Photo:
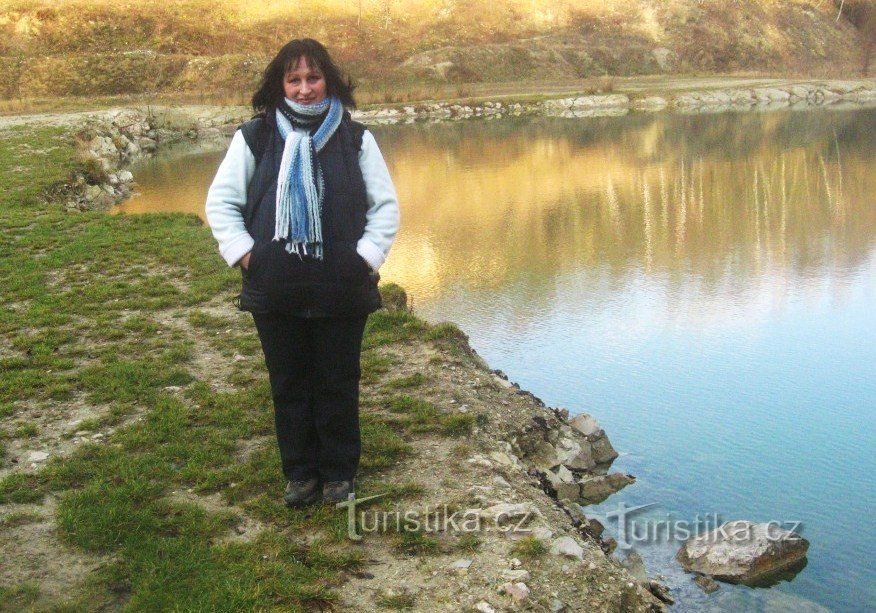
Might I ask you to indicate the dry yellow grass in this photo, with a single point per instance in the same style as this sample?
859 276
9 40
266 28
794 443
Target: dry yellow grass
400 48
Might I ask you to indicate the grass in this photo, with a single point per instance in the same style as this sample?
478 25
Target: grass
529 548
416 542
118 312
18 597
397 602
422 416
215 51
92 47
409 381
19 518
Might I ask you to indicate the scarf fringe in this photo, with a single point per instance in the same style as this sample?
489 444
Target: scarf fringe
300 185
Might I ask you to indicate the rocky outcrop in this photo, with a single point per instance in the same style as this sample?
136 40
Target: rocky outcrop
799 95
572 457
108 141
742 551
603 104
587 106
106 144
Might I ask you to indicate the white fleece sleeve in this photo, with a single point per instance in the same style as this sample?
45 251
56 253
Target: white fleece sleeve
226 200
382 217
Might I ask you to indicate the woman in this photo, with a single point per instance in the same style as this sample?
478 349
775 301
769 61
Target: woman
304 204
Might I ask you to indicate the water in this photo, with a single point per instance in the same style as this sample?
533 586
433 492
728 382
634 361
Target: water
704 285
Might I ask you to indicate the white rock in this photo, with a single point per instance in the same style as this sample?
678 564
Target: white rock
503 458
569 547
565 475
484 607
500 481
558 606
517 574
741 551
480 460
37 456
125 176
518 591
461 564
586 425
542 533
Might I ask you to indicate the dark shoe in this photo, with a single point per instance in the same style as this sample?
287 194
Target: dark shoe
301 493
334 492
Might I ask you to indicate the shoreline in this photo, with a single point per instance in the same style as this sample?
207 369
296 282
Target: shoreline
519 460
519 453
115 138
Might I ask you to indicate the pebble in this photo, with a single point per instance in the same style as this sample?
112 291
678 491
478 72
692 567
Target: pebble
480 460
558 606
461 564
500 481
516 574
484 607
518 591
37 456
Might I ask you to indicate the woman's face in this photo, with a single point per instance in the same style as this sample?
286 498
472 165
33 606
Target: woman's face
303 84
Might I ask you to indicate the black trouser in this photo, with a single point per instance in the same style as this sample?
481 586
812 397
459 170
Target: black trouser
314 369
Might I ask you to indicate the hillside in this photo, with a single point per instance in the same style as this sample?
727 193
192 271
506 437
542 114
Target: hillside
96 47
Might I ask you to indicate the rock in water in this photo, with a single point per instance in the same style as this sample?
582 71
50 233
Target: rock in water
706 583
742 551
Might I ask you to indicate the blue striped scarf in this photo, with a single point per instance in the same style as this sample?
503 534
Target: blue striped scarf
300 187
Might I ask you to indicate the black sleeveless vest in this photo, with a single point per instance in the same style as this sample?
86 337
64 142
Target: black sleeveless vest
341 284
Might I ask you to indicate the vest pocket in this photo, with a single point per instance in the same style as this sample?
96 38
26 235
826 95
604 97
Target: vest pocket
280 274
350 267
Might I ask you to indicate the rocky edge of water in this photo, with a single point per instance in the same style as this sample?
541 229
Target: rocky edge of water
109 141
742 552
793 95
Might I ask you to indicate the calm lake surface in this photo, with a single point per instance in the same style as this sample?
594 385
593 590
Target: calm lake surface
704 285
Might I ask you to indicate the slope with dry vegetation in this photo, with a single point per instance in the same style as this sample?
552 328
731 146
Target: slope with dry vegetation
96 47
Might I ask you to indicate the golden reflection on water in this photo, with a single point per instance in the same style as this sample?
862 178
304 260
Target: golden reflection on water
491 203
487 206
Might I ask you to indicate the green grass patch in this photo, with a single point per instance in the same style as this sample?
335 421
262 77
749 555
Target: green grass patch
374 366
529 547
19 597
19 518
415 542
396 602
86 298
468 542
421 416
410 381
26 431
457 424
445 332
387 327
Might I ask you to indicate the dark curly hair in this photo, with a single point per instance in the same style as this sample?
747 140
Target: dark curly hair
270 91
